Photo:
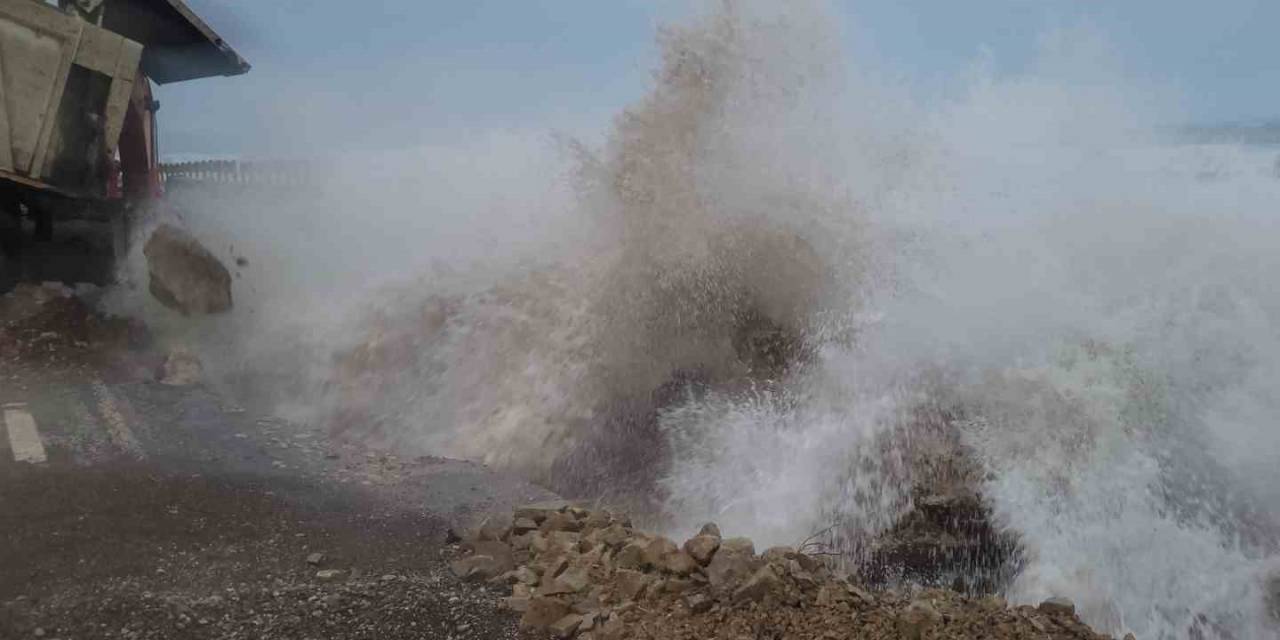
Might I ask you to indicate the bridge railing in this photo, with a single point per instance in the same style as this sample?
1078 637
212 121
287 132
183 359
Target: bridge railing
247 172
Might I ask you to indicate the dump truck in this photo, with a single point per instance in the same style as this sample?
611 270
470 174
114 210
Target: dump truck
78 148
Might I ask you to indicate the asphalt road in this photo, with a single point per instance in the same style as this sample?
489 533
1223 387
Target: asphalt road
132 509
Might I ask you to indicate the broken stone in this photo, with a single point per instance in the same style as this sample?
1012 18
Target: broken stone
734 562
496 550
521 542
566 626
596 520
656 550
764 582
525 575
918 617
478 568
860 593
702 548
558 521
519 604
538 512
185 276
612 536
576 579
542 612
328 574
181 368
612 629
803 579
1058 607
523 525
315 558
493 529
631 585
778 555
555 542
698 602
630 557
679 563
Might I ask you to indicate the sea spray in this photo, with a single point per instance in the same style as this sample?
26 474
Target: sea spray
780 285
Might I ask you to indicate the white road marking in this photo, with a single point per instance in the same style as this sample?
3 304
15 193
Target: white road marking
24 436
117 427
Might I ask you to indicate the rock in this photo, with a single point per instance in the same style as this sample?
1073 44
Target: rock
553 567
656 550
576 579
492 529
567 626
679 563
734 562
558 521
829 594
543 612
478 568
802 578
538 512
778 555
764 582
917 618
181 368
710 529
613 629
555 542
523 525
519 604
613 536
698 602
185 276
315 558
525 575
588 603
630 557
631 585
702 547
502 555
596 520
328 574
522 542
568 581
1058 607
860 593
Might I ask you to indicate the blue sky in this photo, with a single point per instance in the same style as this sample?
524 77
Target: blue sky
396 73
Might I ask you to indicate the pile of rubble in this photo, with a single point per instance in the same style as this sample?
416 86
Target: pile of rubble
582 573
53 324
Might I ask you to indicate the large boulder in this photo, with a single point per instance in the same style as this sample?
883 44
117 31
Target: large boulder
733 563
702 548
185 276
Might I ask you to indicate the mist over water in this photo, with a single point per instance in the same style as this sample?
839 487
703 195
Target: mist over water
739 307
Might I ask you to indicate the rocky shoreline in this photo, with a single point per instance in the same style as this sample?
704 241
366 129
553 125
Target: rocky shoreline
588 574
